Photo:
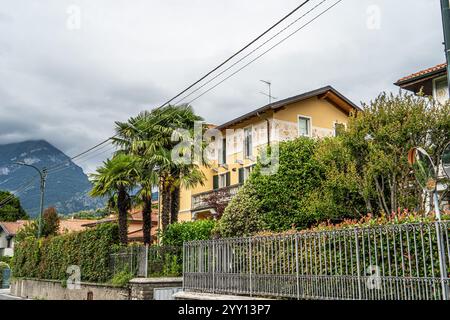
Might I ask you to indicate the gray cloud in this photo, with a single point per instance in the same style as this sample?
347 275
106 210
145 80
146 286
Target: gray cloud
69 86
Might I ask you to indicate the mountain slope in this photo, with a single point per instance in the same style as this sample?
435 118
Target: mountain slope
67 189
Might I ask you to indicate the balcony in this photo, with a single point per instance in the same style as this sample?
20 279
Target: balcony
200 200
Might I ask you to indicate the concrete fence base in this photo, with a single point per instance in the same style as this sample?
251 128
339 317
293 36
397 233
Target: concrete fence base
138 289
54 290
184 295
143 288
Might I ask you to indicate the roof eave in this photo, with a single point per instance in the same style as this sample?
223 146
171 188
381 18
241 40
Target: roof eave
422 77
285 102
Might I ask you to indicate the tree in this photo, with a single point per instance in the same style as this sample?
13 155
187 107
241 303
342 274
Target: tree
379 140
218 201
152 136
50 222
277 201
364 170
115 179
10 208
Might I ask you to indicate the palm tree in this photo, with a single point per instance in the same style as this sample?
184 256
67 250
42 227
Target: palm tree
149 136
115 179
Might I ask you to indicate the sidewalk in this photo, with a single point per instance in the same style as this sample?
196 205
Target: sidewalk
5 294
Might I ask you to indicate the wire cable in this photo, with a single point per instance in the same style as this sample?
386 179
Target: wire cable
265 52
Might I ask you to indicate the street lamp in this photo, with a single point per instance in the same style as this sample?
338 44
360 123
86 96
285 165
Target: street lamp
43 177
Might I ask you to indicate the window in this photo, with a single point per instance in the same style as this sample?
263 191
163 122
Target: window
223 152
440 90
221 181
248 146
247 172
244 173
339 128
304 126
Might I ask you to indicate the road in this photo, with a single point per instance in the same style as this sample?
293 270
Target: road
5 295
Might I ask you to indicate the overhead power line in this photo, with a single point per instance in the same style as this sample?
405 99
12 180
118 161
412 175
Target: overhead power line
108 140
24 187
237 53
265 52
251 52
207 74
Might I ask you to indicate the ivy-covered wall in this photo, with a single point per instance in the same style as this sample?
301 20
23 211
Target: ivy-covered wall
49 258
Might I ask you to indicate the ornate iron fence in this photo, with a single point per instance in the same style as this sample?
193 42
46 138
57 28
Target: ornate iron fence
391 262
151 261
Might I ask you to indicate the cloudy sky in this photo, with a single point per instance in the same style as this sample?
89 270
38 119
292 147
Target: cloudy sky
69 69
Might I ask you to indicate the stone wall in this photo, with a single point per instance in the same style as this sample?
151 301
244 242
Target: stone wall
54 290
143 288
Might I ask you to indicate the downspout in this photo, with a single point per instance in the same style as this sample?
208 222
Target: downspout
268 128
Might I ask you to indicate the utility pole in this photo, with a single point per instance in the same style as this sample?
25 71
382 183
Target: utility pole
43 177
445 8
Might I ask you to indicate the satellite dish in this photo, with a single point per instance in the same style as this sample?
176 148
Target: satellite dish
424 169
446 160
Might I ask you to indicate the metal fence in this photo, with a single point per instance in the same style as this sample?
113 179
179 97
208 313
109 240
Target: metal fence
147 261
391 262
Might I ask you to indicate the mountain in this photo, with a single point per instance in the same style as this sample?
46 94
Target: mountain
66 189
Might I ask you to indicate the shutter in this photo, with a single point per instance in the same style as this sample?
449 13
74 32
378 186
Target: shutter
241 175
224 151
215 182
228 179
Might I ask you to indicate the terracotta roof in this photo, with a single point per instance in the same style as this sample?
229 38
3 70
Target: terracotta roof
11 228
423 73
135 216
137 235
72 225
65 225
324 92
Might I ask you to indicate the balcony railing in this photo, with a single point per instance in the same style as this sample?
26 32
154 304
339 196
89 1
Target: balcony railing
200 200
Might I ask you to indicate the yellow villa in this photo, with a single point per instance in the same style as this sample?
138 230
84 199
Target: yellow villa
316 114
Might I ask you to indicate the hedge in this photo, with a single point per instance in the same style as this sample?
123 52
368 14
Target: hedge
49 258
177 233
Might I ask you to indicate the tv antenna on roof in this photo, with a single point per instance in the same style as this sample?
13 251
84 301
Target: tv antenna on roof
269 84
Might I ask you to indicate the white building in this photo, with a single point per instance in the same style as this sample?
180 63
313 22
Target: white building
8 231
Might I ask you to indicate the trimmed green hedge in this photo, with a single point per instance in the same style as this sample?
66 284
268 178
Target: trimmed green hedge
177 233
49 258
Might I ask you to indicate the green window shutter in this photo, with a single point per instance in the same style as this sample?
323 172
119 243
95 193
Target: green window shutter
228 179
241 175
215 182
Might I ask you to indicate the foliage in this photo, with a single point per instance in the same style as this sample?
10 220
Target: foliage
277 201
91 214
122 278
11 210
29 230
115 179
50 222
337 195
364 170
243 215
216 201
165 261
3 266
152 136
379 140
49 258
178 233
6 259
